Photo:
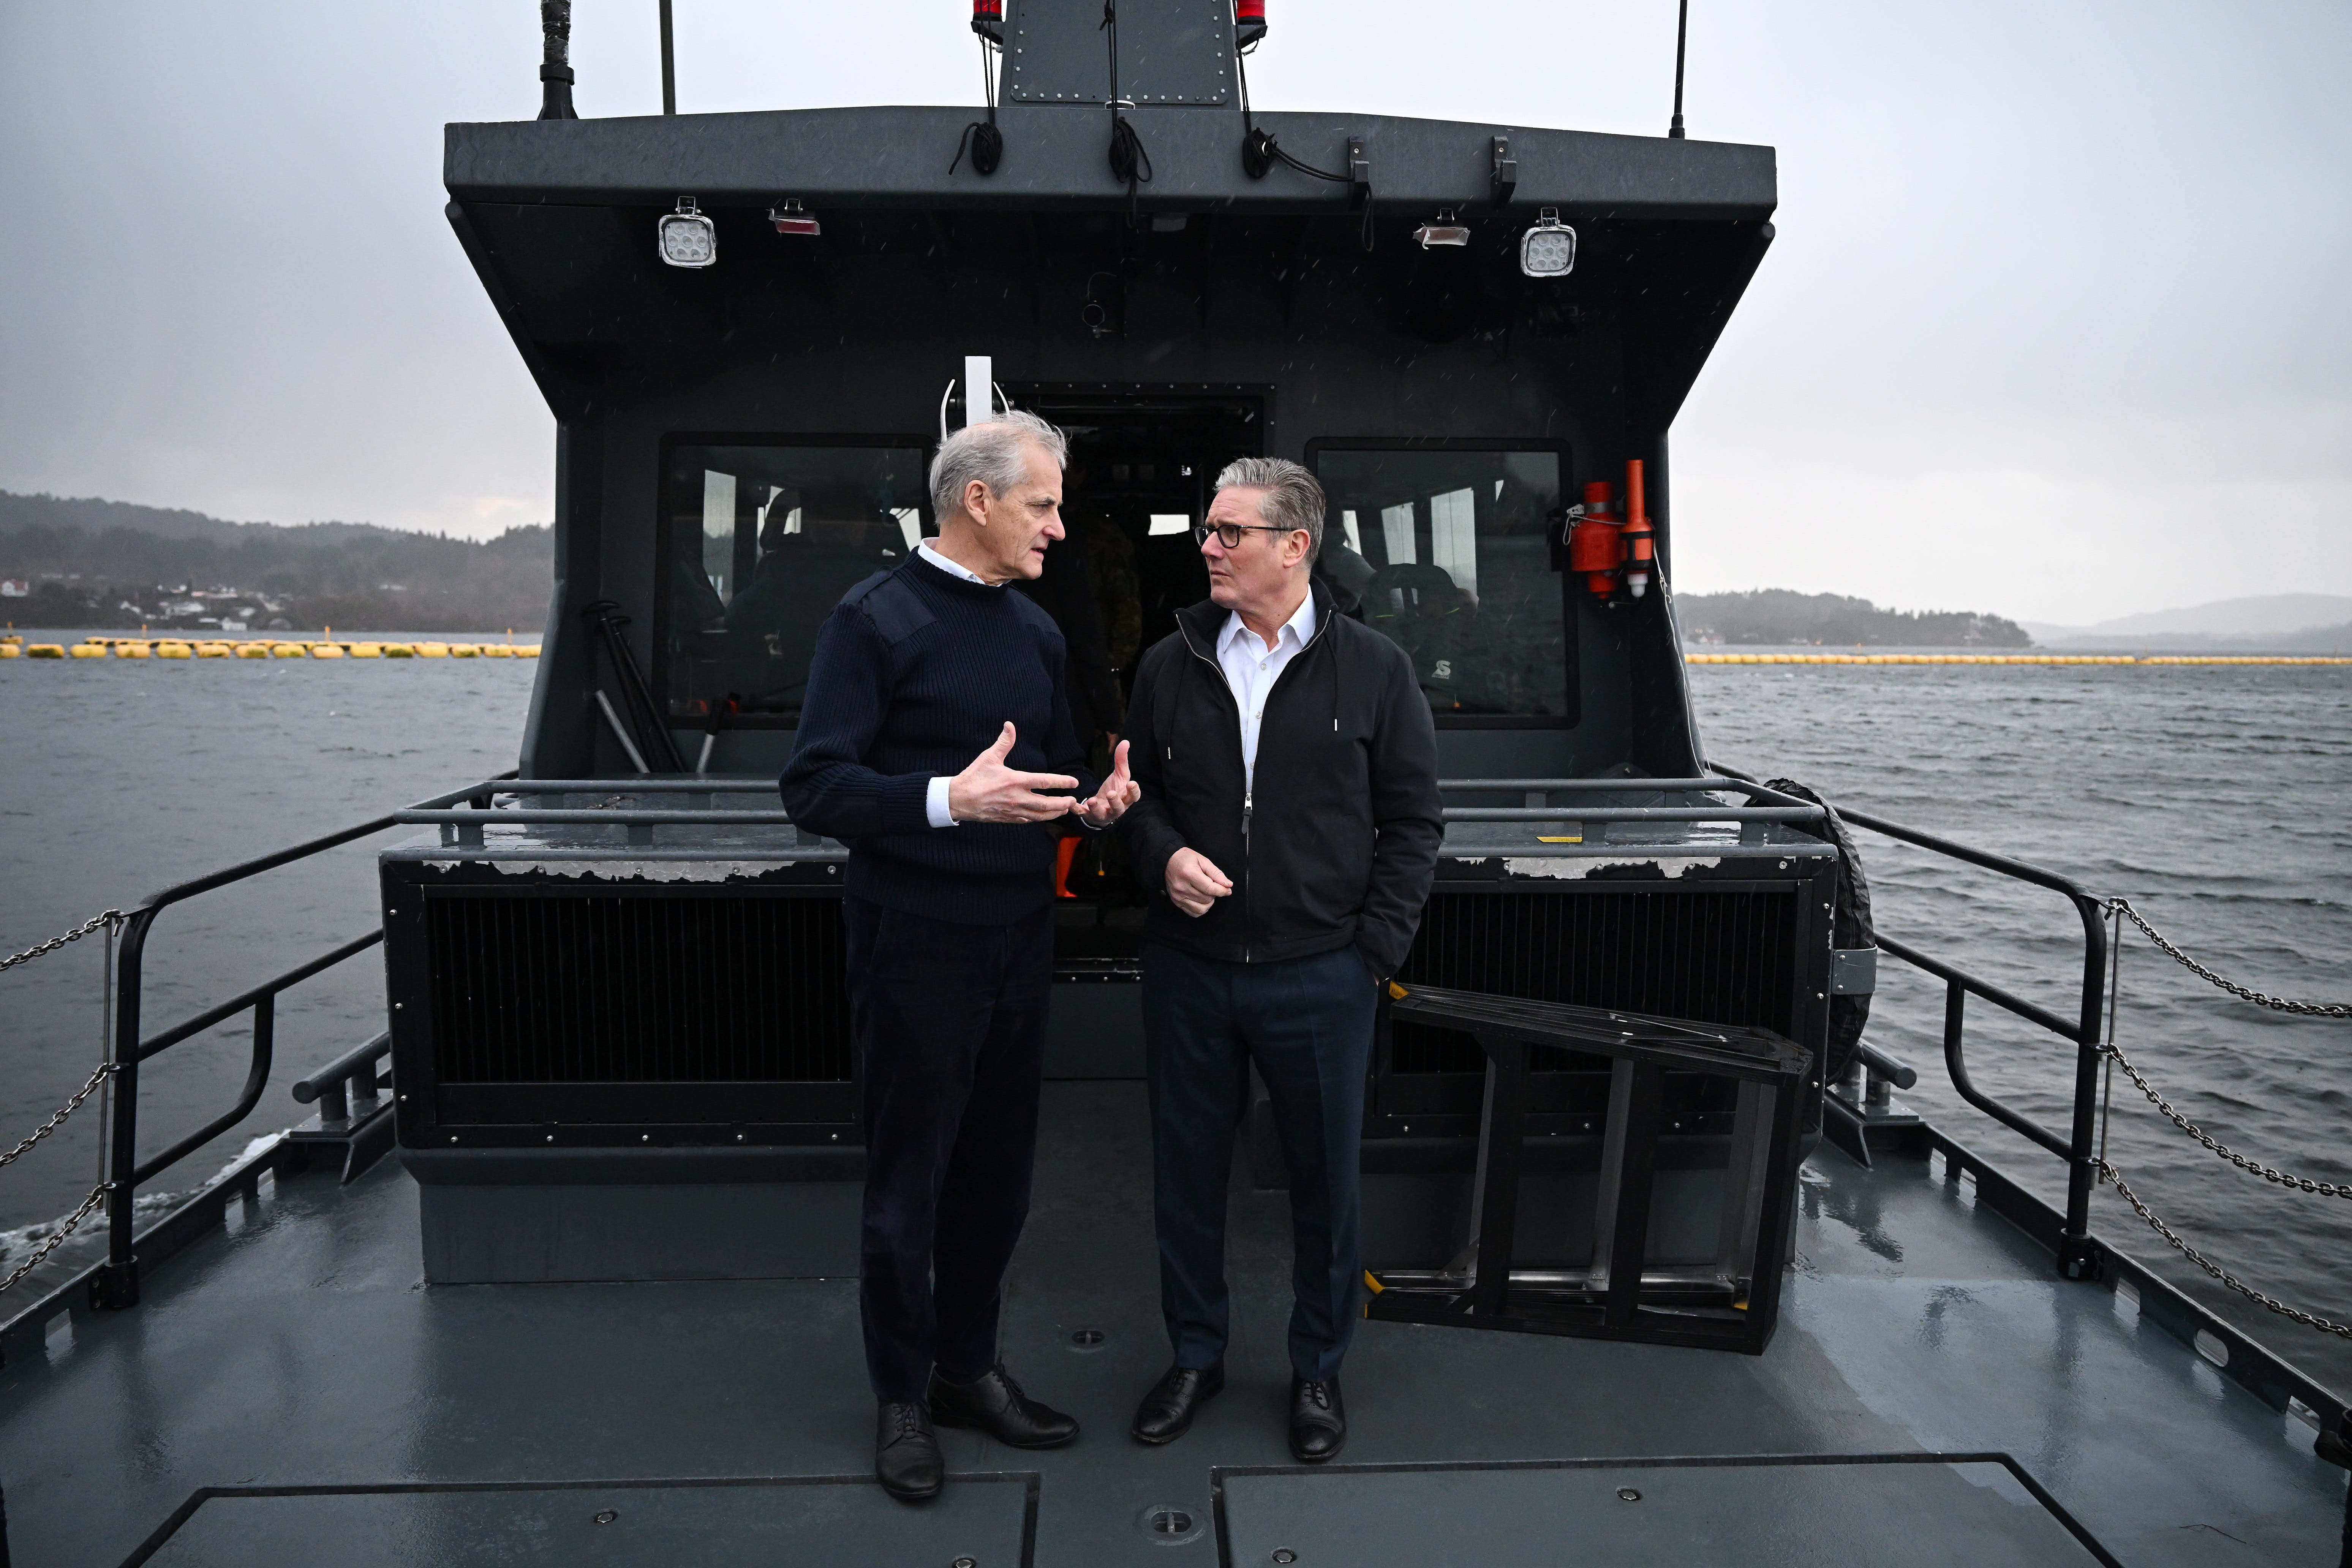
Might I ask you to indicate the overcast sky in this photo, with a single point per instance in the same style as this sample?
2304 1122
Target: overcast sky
2056 325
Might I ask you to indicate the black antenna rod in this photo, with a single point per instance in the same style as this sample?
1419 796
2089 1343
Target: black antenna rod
669 67
555 60
1682 31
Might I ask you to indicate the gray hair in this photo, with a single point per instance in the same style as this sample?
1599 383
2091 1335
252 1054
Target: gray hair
991 453
1292 499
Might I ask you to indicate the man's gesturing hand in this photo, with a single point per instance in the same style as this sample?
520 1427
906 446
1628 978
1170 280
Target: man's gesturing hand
988 791
1194 883
1118 793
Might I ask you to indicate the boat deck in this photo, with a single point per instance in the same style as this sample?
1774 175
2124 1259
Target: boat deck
340 1411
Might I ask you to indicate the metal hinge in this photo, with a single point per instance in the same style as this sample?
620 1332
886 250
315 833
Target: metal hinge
1853 971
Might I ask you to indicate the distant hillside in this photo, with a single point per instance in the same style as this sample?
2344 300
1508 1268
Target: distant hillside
1782 617
88 563
2266 618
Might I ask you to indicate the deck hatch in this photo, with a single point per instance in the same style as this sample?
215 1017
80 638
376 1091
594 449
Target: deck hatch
1864 1508
637 988
837 1521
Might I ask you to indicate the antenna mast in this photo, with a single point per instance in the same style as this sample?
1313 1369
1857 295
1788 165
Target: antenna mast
555 60
1682 32
669 67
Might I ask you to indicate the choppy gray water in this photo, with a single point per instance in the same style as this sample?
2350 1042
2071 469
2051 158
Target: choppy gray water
2216 798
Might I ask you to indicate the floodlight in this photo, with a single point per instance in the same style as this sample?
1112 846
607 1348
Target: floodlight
687 237
1548 249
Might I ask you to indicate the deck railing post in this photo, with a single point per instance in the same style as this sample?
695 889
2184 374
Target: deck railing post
2078 1255
116 1284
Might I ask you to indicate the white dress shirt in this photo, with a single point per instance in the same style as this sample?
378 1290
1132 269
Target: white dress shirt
1252 667
935 799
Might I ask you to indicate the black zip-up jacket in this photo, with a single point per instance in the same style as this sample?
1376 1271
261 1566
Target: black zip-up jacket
1338 841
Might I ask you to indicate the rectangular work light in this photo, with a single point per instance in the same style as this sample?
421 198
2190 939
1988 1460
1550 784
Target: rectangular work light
1548 249
687 237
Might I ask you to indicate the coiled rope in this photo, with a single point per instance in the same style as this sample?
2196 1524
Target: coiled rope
2118 911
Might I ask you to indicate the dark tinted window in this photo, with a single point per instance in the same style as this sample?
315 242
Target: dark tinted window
1448 552
762 541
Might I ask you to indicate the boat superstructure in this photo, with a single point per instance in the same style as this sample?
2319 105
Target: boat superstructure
602 1305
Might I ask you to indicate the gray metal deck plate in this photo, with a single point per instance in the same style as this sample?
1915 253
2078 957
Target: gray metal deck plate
832 1522
1865 1509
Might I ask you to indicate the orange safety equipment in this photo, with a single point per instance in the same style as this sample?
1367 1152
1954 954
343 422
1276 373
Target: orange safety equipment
1640 543
1595 545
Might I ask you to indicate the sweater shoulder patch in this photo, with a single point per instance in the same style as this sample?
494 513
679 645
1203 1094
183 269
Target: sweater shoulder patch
896 611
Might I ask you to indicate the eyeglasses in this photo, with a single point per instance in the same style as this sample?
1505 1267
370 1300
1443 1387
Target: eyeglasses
1229 534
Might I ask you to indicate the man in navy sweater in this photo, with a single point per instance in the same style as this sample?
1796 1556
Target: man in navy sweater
936 742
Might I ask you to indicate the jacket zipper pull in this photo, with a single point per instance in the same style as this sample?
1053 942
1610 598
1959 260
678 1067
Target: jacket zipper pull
1246 799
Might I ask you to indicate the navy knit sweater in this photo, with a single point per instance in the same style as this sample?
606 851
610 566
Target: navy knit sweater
916 673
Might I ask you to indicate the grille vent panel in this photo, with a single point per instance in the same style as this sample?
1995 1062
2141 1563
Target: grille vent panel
638 989
1718 956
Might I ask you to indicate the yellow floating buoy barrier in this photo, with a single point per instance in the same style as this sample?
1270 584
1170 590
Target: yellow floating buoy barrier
462 650
46 650
253 650
173 649
90 650
399 650
288 651
367 650
12 648
525 650
128 649
215 649
433 650
495 650
326 651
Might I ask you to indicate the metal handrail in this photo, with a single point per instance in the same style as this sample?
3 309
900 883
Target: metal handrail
2076 1252
117 1281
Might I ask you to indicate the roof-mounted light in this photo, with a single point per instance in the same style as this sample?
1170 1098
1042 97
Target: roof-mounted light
688 238
1548 249
1443 230
791 218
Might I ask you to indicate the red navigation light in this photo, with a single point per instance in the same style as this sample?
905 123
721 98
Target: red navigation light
988 19
791 220
1249 21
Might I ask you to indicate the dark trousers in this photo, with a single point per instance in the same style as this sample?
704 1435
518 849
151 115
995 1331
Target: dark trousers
950 1025
1307 1025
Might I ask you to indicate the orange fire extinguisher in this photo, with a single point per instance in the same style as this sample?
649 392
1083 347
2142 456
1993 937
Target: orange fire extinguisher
1640 543
1596 547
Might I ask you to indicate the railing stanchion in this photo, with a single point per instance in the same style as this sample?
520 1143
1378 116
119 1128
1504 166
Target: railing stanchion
117 1284
2078 1255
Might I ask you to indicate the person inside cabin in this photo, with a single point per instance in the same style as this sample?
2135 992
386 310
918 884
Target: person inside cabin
936 742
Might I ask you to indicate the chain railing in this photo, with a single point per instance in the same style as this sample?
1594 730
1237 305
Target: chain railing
110 923
2120 910
2246 994
96 924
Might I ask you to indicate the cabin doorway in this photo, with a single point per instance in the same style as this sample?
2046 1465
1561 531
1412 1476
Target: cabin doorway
1143 467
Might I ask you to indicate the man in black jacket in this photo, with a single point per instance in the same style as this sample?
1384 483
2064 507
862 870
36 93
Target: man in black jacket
1289 815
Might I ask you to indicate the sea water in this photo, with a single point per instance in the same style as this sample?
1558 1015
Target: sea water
2215 798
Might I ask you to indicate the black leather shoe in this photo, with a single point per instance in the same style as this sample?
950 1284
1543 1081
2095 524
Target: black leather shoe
995 1404
1165 1413
1319 1421
907 1453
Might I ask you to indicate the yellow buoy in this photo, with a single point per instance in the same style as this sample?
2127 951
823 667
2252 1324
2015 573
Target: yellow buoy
433 650
495 650
399 650
215 649
46 650
12 648
253 650
326 651
288 651
173 649
367 650
525 650
462 650
128 649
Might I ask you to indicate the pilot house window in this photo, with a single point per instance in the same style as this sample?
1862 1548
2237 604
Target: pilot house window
762 542
1448 551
